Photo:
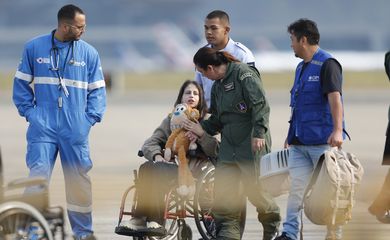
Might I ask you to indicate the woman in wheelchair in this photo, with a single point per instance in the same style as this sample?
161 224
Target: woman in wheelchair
157 176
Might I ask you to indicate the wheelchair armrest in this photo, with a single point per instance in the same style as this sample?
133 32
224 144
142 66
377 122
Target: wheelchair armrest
27 182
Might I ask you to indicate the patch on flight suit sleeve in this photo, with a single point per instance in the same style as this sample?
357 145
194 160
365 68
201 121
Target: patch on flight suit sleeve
241 106
228 86
245 75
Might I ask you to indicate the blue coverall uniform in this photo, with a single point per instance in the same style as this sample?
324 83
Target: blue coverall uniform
60 118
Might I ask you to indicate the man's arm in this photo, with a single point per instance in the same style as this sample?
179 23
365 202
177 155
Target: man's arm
331 80
96 99
336 109
23 94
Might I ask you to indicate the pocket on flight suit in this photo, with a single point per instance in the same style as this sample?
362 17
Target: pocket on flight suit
85 160
37 125
80 129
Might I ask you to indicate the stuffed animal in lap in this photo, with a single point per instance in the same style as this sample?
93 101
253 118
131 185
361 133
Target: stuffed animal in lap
178 144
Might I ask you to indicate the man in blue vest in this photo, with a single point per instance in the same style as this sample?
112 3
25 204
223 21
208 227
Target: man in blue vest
316 122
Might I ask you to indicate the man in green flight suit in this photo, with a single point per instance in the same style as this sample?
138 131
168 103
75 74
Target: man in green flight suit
240 112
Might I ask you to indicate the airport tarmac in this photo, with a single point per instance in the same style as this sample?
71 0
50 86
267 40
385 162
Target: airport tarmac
132 117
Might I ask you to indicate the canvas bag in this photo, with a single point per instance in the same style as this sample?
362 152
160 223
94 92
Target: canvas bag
329 196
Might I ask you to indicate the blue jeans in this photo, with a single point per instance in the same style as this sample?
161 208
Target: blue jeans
301 162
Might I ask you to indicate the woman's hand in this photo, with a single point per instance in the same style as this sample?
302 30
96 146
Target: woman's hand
191 136
257 144
159 158
194 127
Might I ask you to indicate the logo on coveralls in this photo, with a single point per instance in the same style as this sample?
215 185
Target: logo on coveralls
79 64
41 60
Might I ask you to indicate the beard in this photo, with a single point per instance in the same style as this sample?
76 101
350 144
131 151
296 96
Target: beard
70 36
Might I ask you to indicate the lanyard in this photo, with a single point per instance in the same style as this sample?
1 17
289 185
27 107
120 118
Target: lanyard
55 67
55 61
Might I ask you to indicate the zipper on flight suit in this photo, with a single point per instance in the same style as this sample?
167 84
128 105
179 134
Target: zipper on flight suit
60 102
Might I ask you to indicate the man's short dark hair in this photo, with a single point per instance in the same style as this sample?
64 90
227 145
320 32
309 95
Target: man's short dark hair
218 14
68 12
305 28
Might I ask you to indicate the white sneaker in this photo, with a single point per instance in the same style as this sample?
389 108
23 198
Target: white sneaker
153 225
135 223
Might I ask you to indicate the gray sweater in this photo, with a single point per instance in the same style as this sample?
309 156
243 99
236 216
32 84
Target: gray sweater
155 144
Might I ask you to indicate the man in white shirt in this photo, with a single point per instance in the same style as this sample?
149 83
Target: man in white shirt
217 28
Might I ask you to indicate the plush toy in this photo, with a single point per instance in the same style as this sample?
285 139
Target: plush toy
178 144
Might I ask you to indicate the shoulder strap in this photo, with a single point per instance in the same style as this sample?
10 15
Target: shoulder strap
313 179
314 176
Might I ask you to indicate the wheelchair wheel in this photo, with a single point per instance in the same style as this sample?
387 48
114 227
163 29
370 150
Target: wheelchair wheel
22 221
184 231
203 203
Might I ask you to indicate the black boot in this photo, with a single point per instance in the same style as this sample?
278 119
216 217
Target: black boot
270 222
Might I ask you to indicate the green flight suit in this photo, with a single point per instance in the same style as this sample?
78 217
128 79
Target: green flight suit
239 110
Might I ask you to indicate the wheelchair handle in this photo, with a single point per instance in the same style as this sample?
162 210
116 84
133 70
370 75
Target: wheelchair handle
28 182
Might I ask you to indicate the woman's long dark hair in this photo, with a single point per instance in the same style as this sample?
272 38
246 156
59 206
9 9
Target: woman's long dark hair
208 56
202 107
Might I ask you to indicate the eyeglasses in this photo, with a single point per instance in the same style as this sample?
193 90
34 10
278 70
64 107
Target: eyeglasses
79 28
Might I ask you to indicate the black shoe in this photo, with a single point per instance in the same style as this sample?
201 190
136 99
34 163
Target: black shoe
270 222
384 218
382 215
89 237
270 235
283 237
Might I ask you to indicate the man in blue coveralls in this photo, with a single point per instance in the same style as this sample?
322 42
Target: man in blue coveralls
68 98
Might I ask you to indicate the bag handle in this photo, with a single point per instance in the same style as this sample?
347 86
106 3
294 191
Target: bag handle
313 179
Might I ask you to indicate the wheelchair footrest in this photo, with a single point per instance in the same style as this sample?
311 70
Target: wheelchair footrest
158 232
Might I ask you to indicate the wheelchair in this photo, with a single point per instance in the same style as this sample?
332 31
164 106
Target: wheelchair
28 216
177 210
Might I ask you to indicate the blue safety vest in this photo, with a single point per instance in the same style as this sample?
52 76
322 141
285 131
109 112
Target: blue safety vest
311 119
